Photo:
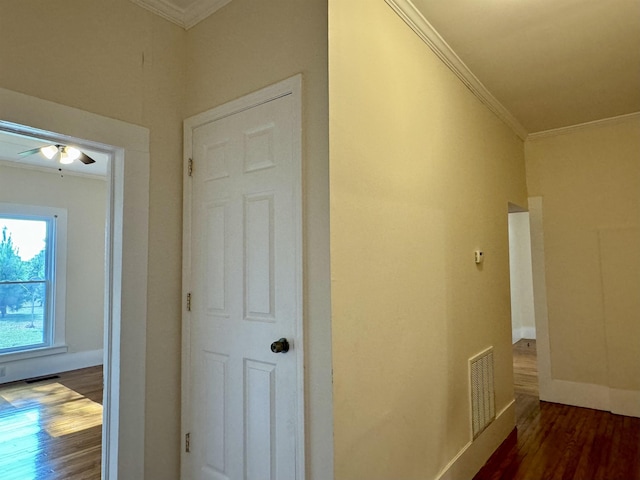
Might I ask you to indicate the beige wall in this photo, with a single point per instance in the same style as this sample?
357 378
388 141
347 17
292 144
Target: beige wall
248 45
85 200
117 60
421 176
589 181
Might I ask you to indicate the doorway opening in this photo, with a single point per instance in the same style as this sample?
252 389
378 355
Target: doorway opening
59 277
126 260
523 327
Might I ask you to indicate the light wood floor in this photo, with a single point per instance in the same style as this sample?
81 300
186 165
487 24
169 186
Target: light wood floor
52 429
525 367
560 442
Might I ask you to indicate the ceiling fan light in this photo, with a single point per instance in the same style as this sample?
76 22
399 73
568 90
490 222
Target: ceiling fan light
49 151
73 153
65 159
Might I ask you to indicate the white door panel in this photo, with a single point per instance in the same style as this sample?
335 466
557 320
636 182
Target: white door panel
246 283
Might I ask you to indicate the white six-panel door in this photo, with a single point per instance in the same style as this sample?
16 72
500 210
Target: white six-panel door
246 289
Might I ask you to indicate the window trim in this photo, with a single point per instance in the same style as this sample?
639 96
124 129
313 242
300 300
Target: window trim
54 330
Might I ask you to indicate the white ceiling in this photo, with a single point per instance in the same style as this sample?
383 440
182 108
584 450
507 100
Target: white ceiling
12 144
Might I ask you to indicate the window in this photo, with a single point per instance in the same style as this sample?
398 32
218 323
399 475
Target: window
32 245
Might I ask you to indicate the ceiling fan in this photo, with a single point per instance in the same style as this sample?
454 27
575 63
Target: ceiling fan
62 153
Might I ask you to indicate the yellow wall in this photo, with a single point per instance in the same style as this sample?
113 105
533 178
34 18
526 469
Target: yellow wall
89 54
421 175
244 47
589 181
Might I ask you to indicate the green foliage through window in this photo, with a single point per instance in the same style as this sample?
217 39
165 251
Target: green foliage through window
23 283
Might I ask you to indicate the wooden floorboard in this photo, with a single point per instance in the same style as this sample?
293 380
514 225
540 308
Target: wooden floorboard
561 442
525 367
52 429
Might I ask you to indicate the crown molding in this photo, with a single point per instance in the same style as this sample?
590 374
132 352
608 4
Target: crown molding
166 10
202 9
187 17
581 126
416 21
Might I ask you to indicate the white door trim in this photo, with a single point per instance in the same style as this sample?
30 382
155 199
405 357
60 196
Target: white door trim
126 276
293 87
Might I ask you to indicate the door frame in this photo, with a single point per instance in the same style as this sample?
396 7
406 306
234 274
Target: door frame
291 86
126 261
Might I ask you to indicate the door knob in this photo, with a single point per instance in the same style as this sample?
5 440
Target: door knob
280 346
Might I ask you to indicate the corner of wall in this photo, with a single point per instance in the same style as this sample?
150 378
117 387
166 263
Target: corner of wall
476 453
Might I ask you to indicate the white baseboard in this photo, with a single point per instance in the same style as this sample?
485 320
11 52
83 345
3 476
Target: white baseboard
49 365
577 394
476 453
625 402
523 332
598 397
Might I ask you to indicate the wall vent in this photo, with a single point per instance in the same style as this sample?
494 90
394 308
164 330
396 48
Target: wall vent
483 404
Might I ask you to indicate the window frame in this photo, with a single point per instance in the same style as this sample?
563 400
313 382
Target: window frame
56 259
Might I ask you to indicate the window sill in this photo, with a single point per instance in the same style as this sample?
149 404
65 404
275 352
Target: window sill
33 353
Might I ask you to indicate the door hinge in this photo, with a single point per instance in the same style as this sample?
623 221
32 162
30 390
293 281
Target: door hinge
187 442
190 167
189 302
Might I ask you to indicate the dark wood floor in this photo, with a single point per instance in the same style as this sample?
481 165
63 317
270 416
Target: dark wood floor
560 442
52 429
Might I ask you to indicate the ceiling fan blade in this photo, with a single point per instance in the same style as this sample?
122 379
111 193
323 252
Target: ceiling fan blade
86 159
29 152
